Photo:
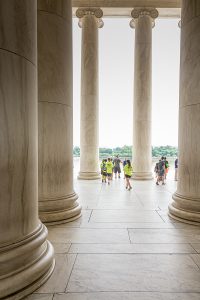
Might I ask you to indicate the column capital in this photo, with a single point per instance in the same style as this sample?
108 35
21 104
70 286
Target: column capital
136 13
144 11
94 11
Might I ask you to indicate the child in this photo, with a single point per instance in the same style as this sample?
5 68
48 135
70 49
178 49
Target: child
103 170
128 170
109 169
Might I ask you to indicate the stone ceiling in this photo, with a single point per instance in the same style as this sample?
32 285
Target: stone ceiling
122 8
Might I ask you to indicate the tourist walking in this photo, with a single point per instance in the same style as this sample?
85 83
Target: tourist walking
109 168
116 163
176 169
128 170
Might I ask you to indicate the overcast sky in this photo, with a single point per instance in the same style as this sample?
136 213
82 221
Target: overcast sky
116 68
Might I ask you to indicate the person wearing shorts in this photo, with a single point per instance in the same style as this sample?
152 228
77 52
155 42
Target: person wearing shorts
117 168
109 168
128 170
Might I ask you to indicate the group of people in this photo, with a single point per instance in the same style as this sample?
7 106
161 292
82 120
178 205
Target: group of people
110 166
161 169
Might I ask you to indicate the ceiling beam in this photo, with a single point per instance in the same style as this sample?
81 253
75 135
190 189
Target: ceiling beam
128 3
122 8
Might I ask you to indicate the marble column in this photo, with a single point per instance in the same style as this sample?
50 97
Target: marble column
89 21
143 20
26 257
57 199
186 200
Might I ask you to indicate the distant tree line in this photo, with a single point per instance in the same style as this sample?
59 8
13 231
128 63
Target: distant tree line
168 151
126 151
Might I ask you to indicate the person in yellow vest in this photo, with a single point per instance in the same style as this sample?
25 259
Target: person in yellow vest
128 170
109 169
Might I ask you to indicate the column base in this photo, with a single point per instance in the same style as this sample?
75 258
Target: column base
142 176
89 175
186 210
59 210
26 265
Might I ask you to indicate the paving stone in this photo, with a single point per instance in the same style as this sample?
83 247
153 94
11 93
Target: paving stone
134 272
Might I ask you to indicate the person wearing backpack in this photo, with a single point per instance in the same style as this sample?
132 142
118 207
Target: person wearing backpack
161 171
103 170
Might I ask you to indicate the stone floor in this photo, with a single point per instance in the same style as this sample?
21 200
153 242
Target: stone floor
124 247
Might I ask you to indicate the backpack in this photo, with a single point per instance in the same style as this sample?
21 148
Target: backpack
104 167
161 165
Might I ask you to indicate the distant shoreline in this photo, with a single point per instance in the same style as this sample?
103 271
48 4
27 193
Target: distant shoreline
126 151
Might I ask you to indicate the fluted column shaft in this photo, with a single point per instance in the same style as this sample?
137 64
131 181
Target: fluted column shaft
89 127
186 200
57 199
142 105
26 257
